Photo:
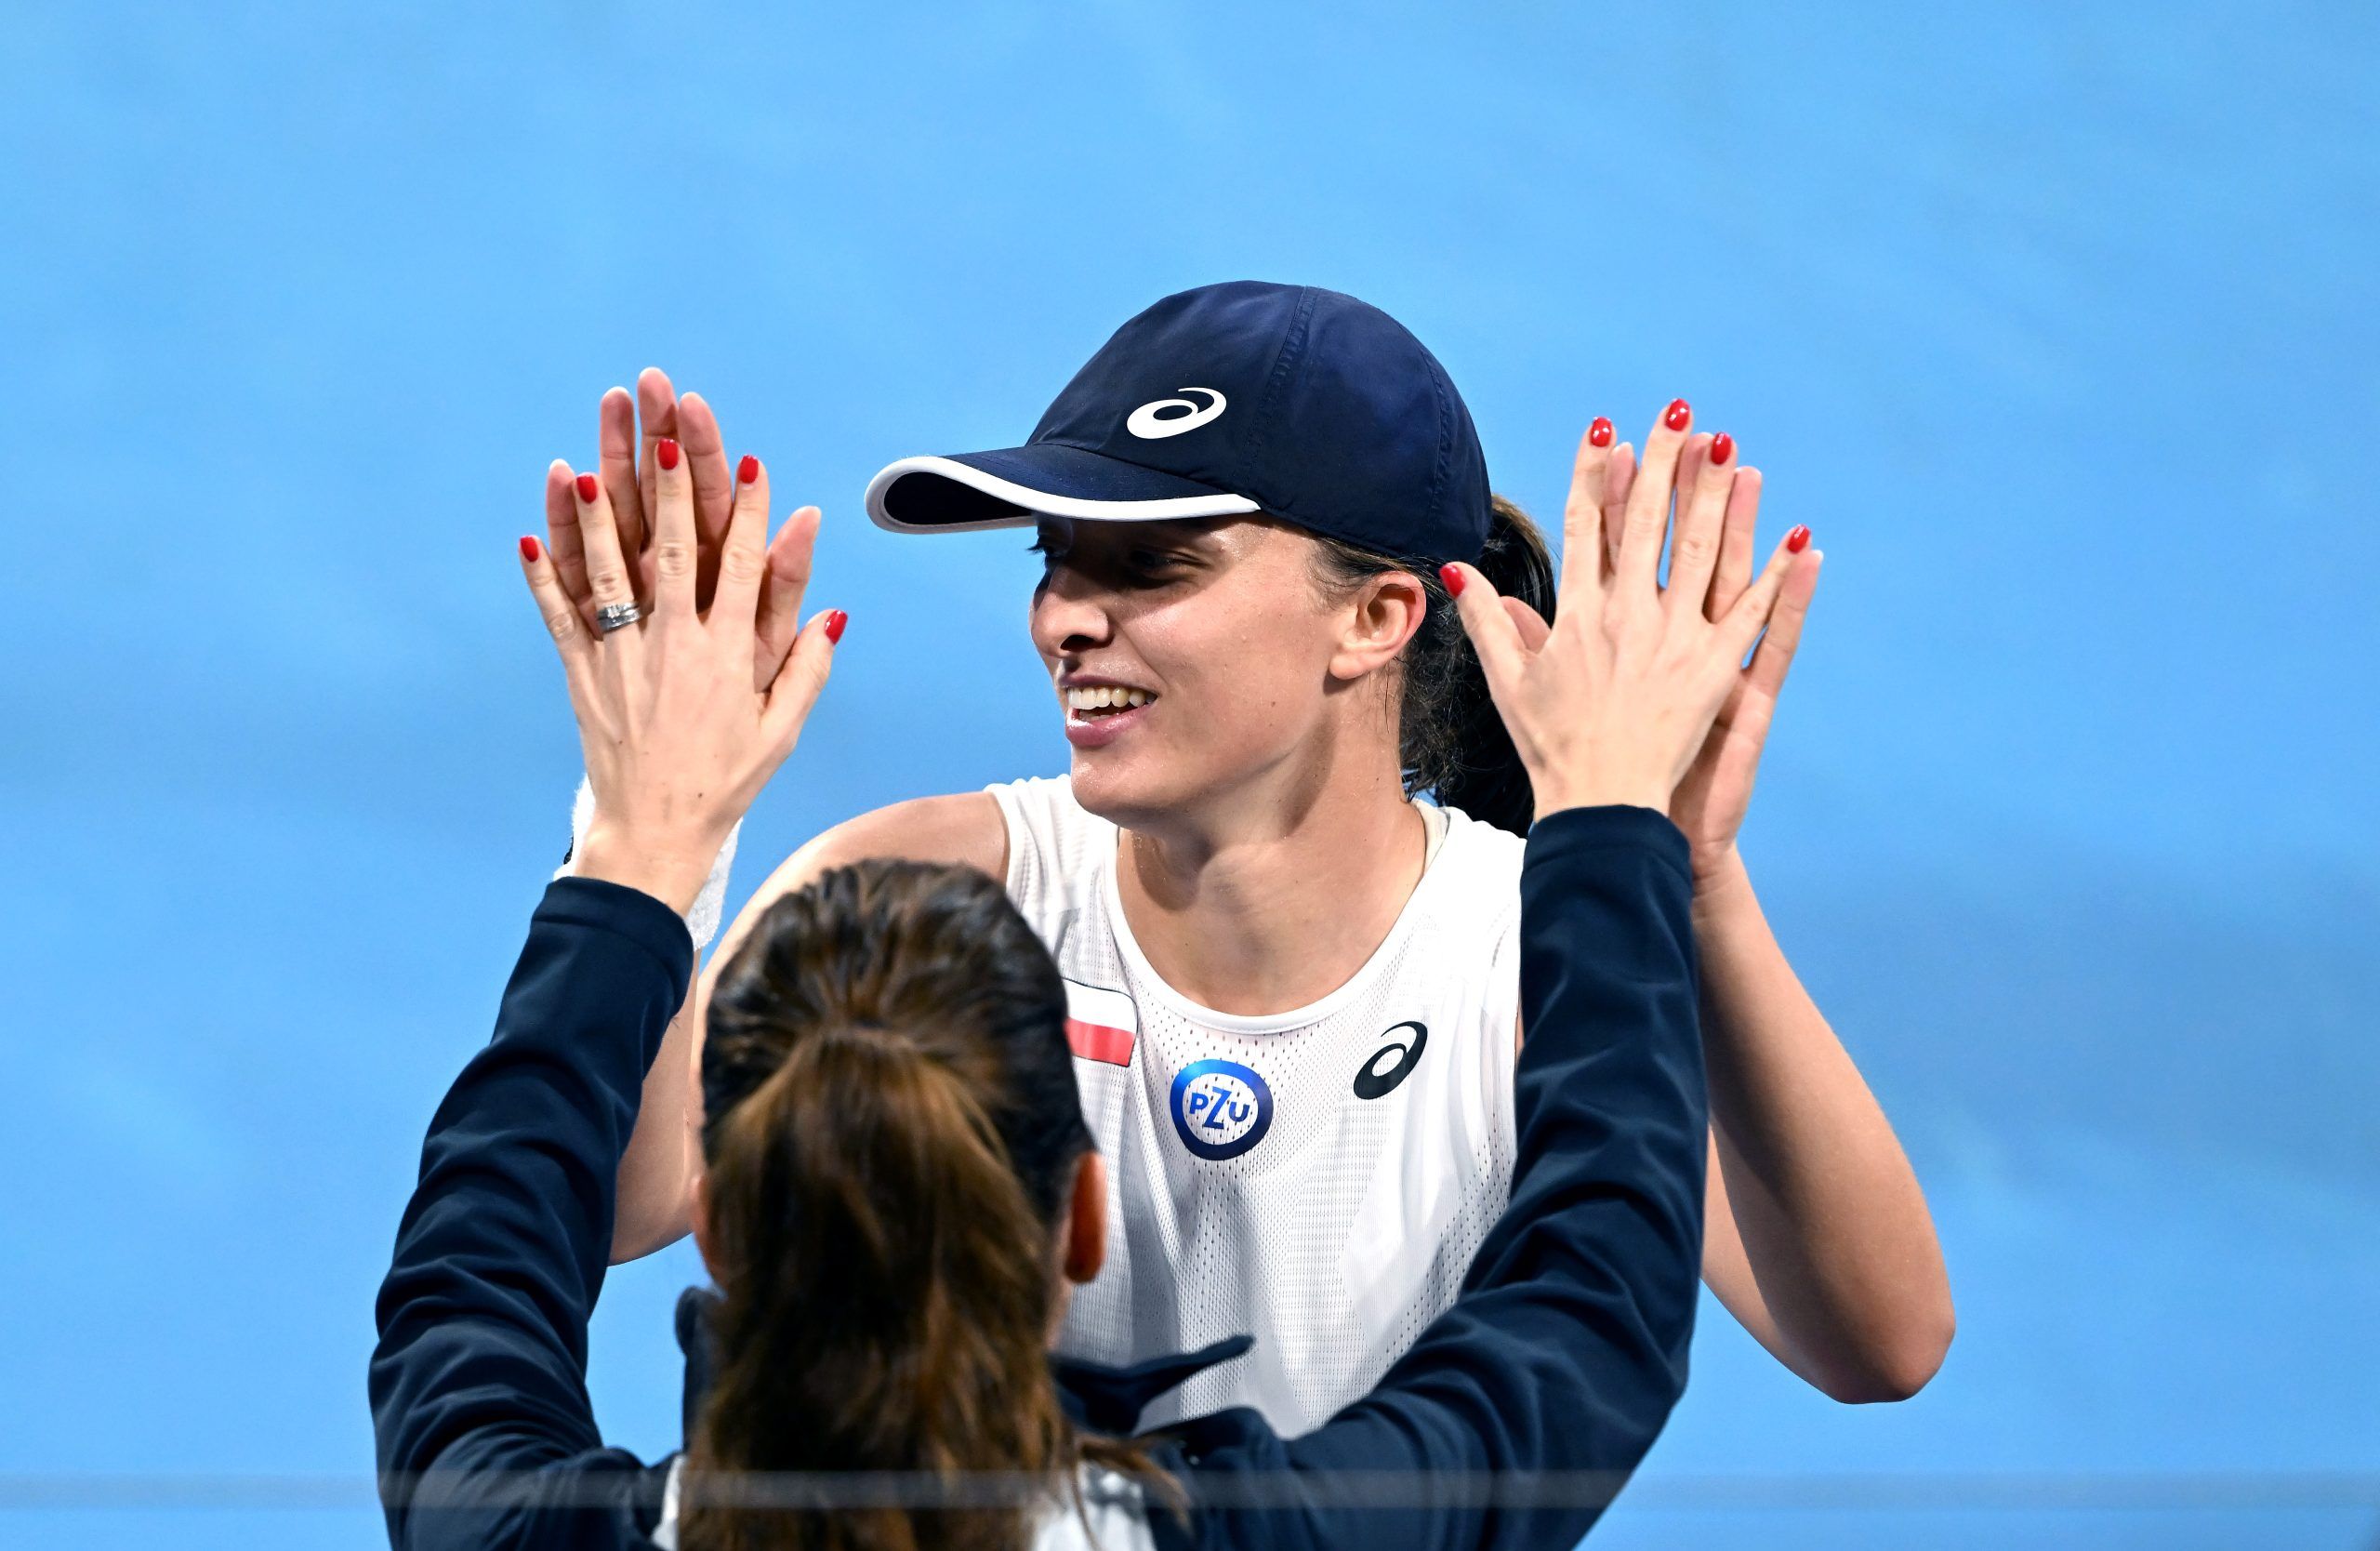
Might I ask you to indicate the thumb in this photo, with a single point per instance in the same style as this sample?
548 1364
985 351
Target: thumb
1495 635
1533 628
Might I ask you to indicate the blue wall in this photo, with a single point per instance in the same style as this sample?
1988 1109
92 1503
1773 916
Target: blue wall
2058 325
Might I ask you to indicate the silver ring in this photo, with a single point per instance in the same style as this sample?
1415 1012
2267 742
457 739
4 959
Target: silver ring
618 616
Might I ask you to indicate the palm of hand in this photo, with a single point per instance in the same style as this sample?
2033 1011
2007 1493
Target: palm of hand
1716 790
1710 558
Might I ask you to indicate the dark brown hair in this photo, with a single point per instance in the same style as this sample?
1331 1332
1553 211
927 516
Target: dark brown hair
1452 742
890 1136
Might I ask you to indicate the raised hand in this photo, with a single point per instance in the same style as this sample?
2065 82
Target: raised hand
1723 493
1615 701
1712 797
678 739
685 434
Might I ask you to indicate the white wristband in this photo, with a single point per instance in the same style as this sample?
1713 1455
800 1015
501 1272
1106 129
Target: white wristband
703 917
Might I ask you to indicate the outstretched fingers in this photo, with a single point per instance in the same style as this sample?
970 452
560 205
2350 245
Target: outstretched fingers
1583 546
616 457
675 556
1775 657
1734 573
1706 469
786 577
610 579
716 491
565 549
743 550
1619 479
571 640
1647 521
1755 610
657 414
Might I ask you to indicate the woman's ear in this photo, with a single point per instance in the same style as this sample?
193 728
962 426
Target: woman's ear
1086 1220
1381 618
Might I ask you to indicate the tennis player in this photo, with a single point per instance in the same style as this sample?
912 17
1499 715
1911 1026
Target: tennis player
1295 986
900 1186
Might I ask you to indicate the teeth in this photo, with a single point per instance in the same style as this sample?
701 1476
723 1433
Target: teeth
1105 696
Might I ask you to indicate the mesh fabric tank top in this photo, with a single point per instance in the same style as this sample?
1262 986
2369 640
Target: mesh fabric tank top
1319 1177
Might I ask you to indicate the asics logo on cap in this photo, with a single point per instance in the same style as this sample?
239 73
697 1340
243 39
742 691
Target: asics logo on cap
1148 426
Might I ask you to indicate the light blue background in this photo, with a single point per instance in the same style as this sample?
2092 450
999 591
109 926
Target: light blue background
2055 323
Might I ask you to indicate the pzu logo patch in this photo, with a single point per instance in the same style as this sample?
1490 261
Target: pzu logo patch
1221 1109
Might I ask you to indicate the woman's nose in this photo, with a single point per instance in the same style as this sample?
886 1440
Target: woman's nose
1069 614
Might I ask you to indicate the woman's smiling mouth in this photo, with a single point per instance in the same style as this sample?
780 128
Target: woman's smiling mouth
1091 700
1099 713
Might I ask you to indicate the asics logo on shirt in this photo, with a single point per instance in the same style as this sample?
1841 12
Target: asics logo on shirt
1149 426
1221 1109
1391 1063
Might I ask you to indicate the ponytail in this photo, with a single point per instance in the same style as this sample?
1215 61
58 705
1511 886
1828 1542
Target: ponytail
886 1296
1452 740
891 1134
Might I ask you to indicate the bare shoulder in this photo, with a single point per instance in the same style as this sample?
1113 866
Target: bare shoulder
962 827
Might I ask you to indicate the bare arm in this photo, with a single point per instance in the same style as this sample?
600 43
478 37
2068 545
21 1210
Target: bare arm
1817 1236
657 1179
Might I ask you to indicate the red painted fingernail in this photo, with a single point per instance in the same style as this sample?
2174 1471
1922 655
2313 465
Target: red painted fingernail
1723 448
1452 576
588 488
1796 541
836 620
747 470
1679 415
1599 433
528 549
667 452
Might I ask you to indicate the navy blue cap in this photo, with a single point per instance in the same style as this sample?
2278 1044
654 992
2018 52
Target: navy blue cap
1246 396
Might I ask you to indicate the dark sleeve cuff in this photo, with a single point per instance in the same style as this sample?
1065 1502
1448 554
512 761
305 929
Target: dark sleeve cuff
1619 826
624 913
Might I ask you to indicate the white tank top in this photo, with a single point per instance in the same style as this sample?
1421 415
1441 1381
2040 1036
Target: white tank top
1319 1177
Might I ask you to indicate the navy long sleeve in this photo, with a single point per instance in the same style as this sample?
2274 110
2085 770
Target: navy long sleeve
480 1376
1566 1348
1564 1352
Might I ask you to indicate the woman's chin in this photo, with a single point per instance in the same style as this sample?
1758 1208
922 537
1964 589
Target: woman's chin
1117 785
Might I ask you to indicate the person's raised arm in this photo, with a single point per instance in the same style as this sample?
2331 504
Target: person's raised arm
657 1171
1818 1237
484 1433
1522 1409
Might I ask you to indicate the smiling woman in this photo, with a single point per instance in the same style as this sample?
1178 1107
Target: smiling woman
1450 741
1245 612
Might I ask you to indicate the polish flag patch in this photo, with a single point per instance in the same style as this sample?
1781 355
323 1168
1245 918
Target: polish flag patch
1100 1024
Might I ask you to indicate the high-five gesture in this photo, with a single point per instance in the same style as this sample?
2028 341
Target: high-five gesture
1711 801
1616 700
683 431
678 739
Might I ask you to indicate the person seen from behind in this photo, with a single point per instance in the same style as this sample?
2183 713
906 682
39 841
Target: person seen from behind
900 1192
